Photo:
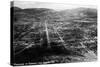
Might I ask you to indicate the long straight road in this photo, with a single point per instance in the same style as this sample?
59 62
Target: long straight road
47 33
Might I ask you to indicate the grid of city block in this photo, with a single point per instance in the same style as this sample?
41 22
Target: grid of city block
52 33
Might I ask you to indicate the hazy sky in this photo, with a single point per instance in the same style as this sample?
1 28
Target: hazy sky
56 6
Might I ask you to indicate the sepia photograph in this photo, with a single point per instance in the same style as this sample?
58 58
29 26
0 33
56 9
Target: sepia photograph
52 33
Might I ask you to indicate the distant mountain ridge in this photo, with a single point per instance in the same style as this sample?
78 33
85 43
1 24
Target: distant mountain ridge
15 8
68 14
